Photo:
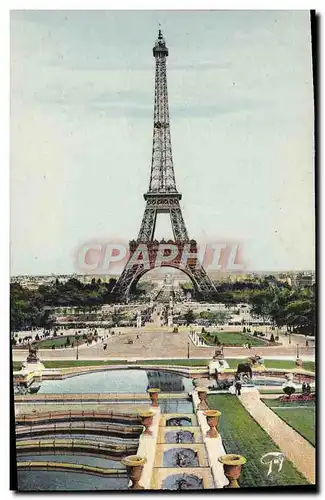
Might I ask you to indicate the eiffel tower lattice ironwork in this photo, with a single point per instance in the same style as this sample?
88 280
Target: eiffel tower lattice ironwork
162 197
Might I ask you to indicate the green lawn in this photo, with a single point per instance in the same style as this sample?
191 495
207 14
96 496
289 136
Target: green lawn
57 341
235 338
243 435
276 402
300 419
277 363
276 390
182 362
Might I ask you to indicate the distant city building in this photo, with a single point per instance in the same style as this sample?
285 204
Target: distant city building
304 279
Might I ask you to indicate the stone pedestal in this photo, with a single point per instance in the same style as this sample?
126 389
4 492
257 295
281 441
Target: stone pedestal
28 367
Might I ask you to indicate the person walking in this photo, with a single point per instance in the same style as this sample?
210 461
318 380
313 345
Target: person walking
238 388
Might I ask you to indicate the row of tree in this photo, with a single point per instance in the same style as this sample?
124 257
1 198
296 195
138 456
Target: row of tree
294 308
269 299
29 308
279 303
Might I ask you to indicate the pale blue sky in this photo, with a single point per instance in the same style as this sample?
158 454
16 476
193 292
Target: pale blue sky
241 109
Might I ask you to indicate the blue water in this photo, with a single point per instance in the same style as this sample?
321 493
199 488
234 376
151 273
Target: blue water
67 481
267 381
117 381
175 406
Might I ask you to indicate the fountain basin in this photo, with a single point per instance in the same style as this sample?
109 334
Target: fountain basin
181 482
179 437
180 457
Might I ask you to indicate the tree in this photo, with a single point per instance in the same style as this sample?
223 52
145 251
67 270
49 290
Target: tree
189 317
289 390
117 317
260 303
300 314
216 340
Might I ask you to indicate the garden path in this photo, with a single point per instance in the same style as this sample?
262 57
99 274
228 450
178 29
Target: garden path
294 446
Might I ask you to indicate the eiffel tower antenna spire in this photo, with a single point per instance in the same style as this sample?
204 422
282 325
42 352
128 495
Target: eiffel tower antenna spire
162 177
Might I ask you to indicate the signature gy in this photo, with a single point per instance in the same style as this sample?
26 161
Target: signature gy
274 458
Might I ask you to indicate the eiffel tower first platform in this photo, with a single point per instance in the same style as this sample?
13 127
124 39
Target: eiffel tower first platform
146 253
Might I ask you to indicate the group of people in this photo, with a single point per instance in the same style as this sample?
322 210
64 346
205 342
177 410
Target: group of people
306 389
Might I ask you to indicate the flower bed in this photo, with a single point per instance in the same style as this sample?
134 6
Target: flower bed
298 397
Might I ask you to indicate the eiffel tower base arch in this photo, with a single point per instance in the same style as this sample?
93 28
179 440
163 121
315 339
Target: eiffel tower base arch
156 255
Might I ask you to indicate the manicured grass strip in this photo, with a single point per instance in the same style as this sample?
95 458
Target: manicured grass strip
300 419
69 364
287 364
182 362
241 434
277 390
276 402
58 342
235 339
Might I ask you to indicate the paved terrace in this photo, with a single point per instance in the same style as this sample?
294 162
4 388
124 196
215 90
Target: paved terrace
158 344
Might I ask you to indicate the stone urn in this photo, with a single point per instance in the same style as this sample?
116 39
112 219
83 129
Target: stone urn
299 362
146 417
232 465
212 421
202 394
153 394
134 467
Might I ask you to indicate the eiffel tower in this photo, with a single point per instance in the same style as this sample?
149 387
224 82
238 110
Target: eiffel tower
162 197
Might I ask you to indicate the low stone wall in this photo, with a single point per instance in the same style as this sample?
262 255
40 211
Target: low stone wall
75 427
213 446
87 446
147 448
61 416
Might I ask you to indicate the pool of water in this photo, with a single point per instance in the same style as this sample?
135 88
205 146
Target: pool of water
267 381
175 406
179 422
180 457
72 459
118 381
67 481
182 482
